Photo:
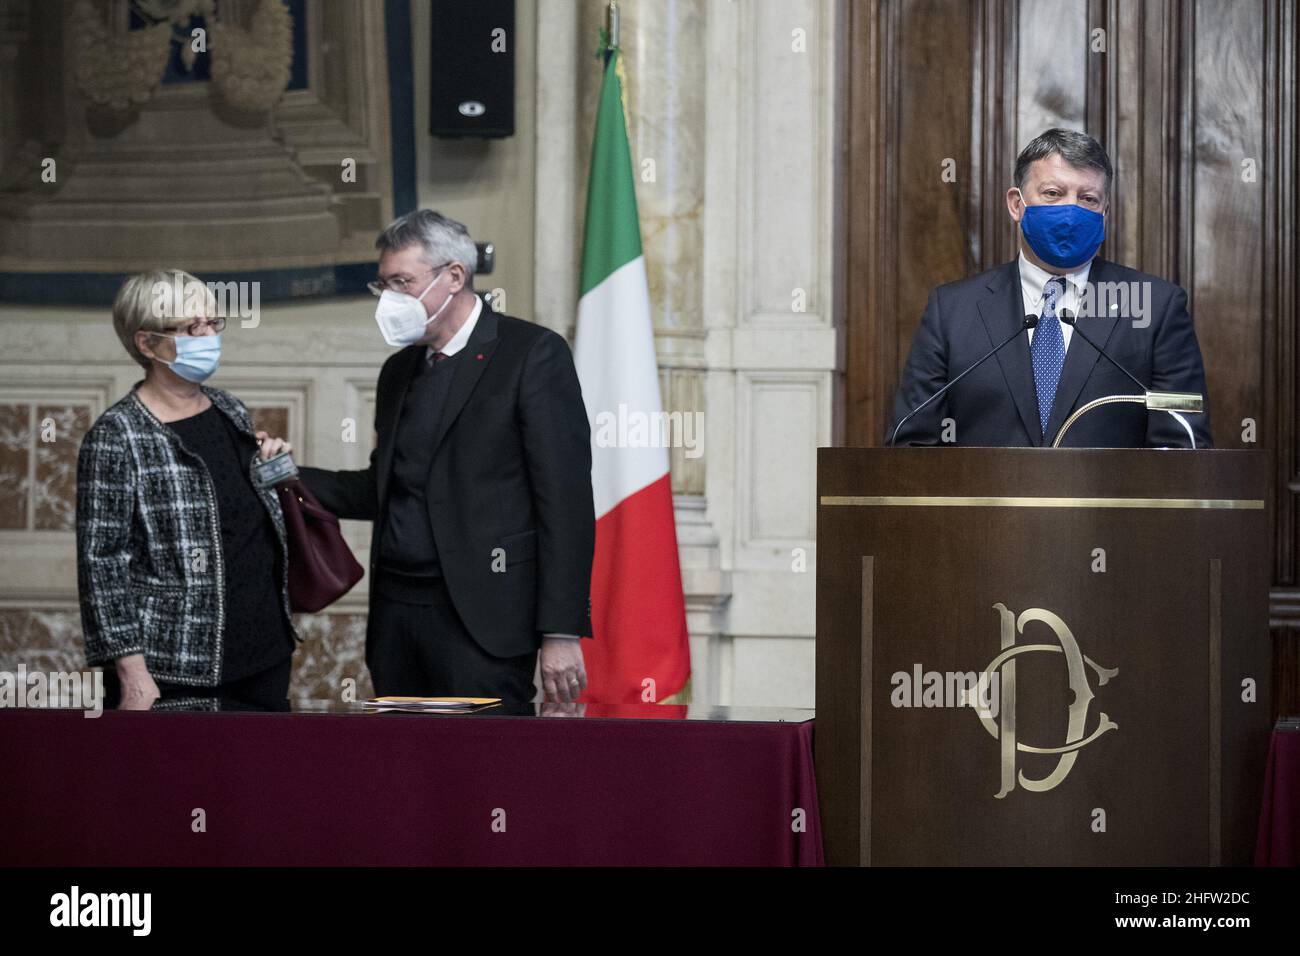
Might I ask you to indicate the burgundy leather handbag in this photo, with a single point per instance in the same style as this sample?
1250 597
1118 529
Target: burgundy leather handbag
322 567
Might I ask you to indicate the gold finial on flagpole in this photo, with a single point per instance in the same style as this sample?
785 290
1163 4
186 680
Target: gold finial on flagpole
611 23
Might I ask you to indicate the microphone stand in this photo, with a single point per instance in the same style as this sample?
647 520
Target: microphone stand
1028 322
1171 402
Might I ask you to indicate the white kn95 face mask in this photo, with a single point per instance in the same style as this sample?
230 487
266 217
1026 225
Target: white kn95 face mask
402 318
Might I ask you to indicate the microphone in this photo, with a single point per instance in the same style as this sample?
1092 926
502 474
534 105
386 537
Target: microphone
1174 403
1027 323
1070 319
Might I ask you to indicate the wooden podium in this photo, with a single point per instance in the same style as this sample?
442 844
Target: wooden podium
1041 657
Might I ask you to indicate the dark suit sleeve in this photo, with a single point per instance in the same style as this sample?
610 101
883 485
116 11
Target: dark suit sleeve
1176 367
354 494
347 494
924 374
557 448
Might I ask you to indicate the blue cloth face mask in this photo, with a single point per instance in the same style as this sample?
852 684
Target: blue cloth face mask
1063 235
197 356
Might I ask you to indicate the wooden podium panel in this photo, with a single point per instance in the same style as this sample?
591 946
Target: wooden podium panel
1126 583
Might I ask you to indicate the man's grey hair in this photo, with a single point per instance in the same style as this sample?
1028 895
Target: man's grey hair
444 239
1077 149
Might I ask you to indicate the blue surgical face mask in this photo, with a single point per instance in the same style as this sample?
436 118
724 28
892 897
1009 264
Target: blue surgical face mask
1062 235
197 356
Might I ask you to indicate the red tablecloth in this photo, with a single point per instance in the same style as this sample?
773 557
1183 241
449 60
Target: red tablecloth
396 789
1279 816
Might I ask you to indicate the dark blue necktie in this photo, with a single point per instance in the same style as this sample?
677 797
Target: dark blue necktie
1048 351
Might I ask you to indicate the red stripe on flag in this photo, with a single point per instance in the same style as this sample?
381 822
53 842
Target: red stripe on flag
638 614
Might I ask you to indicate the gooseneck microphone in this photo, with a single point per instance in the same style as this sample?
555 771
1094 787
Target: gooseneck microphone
1172 403
1027 323
1069 319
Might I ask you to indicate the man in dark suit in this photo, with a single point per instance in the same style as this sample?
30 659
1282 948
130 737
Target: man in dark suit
479 486
1024 394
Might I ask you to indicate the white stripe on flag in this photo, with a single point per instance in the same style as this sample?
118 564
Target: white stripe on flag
615 356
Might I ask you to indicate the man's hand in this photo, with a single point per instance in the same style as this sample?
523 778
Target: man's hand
268 447
562 710
563 675
139 690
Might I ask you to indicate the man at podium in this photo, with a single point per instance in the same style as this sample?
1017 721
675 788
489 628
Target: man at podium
1027 339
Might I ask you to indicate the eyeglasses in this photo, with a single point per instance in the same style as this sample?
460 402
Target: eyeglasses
399 283
196 327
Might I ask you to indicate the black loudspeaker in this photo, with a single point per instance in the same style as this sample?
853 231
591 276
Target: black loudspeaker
472 86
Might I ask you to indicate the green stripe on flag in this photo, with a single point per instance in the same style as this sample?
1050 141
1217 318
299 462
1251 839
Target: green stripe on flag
612 232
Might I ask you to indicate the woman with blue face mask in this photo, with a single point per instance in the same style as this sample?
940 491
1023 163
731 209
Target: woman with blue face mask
182 559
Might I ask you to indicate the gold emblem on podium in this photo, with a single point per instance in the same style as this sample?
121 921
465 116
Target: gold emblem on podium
1003 729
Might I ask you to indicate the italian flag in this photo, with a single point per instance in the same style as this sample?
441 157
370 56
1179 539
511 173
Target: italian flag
640 650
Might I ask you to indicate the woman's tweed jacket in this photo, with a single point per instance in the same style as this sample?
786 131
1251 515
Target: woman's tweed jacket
149 561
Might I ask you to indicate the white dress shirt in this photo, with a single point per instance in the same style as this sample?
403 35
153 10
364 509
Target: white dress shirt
1032 281
461 338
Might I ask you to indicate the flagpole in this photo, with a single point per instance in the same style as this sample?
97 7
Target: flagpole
611 27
